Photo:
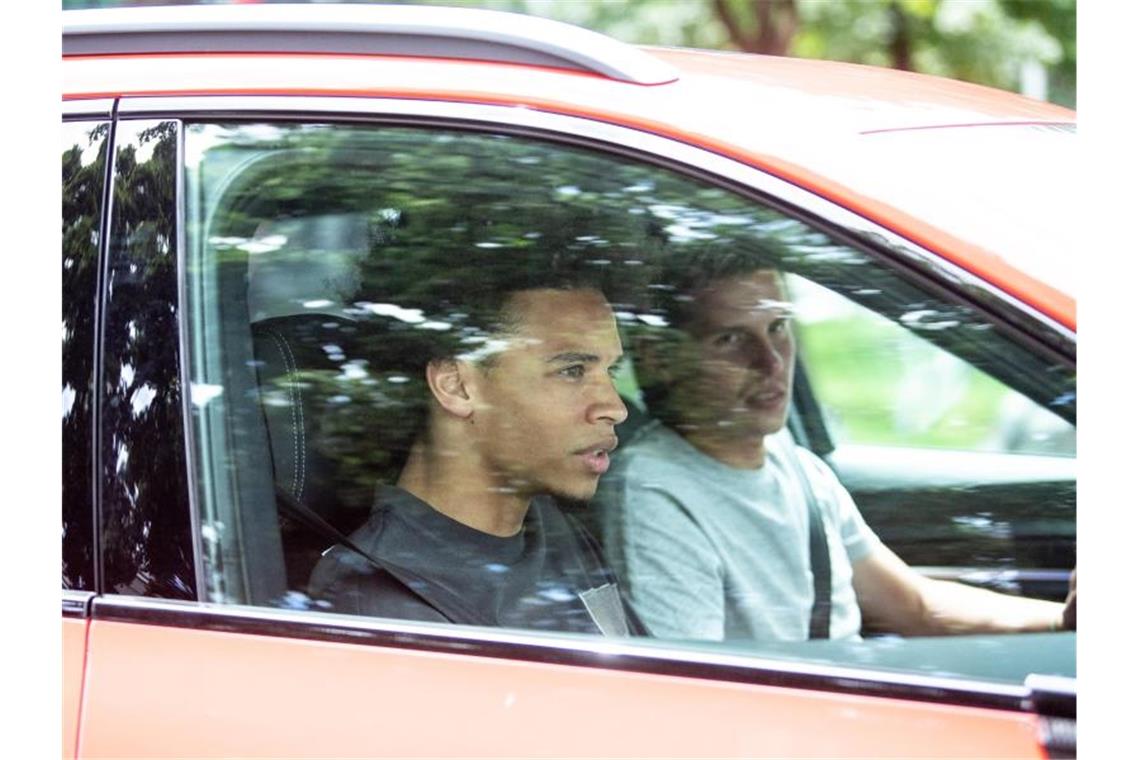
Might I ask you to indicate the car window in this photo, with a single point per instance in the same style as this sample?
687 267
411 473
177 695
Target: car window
84 169
397 333
147 546
880 383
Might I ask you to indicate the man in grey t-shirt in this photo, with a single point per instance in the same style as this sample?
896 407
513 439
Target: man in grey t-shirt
706 520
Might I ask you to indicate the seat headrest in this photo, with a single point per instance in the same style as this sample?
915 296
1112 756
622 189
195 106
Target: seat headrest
306 265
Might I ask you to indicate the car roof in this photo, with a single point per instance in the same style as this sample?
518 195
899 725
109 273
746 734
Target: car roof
919 155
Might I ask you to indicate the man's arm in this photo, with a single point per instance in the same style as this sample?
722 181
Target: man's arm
894 597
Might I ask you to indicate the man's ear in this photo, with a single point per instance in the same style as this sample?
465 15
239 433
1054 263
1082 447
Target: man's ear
446 379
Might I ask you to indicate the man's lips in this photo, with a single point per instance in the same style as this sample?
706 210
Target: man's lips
768 397
597 455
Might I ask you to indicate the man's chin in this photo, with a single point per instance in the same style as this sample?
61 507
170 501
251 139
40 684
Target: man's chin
575 494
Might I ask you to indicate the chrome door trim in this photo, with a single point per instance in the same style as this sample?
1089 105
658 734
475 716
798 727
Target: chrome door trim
645 656
94 108
77 604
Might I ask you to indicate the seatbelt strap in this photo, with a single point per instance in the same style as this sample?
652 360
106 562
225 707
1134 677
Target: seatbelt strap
449 605
820 624
593 549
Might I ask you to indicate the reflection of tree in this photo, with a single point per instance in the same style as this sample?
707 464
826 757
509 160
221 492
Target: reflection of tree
456 220
82 196
147 539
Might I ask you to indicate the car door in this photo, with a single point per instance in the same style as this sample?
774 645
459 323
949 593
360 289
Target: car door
251 222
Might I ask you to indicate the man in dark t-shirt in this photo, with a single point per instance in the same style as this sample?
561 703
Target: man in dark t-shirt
470 533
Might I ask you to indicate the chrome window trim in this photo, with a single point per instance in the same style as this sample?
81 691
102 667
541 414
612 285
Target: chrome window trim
94 108
76 604
181 256
392 30
658 658
932 270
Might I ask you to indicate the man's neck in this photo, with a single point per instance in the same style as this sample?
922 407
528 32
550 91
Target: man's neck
739 452
451 486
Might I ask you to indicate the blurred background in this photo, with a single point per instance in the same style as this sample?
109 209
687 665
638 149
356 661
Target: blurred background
1026 46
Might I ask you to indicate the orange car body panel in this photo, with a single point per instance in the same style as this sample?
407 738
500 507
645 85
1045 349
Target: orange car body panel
74 655
194 693
728 104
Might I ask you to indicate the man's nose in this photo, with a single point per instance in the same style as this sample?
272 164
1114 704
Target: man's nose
608 405
765 356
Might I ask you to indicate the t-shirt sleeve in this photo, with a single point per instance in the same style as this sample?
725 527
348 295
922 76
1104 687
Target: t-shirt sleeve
857 537
670 570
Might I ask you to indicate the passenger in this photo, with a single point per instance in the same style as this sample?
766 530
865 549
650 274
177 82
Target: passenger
704 515
470 533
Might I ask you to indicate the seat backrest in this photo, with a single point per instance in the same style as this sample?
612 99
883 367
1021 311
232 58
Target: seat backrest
303 275
300 366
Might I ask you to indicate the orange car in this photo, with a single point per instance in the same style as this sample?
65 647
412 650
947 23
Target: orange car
267 211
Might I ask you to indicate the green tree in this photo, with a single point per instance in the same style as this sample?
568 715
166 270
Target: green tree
991 42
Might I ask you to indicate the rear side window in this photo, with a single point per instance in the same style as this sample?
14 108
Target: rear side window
404 335
84 173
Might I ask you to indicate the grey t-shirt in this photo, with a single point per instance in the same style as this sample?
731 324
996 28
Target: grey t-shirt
543 577
708 551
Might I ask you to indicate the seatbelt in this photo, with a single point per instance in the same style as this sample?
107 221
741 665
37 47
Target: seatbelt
589 544
820 624
453 608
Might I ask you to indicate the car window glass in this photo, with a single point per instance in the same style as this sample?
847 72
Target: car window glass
147 546
880 383
398 333
84 169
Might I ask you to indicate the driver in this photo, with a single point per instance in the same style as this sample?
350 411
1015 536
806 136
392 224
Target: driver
705 514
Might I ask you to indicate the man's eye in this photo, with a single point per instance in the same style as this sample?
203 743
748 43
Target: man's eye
613 372
779 326
575 371
726 340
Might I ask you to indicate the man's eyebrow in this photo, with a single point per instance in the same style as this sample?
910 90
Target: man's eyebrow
571 357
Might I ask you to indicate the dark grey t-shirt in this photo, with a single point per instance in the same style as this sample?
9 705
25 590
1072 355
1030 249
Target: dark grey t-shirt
546 576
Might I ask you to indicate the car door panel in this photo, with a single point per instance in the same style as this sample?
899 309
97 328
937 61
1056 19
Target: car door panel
74 655
254 695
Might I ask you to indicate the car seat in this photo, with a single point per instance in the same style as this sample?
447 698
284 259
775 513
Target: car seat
309 357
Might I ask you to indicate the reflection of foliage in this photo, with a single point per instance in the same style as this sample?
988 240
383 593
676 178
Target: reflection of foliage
82 201
453 221
148 546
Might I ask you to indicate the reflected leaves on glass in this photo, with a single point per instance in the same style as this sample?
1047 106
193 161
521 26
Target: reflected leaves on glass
147 540
395 245
84 170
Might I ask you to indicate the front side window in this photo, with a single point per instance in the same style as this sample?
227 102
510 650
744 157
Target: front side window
467 378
